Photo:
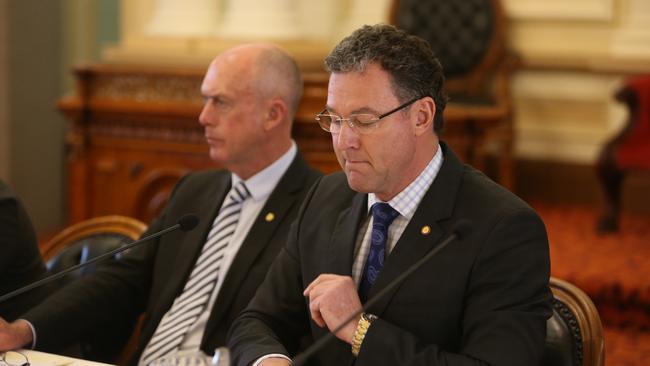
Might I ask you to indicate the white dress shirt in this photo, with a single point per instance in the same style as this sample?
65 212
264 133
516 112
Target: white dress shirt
260 187
405 202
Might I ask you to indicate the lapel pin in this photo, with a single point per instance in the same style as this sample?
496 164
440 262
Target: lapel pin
269 217
426 229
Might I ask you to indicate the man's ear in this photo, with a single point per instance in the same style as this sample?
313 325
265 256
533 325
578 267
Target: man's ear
425 110
275 113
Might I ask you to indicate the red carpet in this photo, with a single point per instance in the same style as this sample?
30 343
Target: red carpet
614 270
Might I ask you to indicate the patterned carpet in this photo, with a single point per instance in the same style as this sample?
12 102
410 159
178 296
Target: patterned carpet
614 270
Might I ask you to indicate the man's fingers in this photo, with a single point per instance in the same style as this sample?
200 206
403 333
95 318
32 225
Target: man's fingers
314 309
318 281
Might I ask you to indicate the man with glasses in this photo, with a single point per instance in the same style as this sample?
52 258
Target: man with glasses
482 300
191 286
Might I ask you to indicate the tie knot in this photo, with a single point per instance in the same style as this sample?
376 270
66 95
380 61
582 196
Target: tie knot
383 213
239 192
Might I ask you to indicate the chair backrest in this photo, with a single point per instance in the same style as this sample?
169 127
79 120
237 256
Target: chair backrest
468 37
574 333
88 239
79 243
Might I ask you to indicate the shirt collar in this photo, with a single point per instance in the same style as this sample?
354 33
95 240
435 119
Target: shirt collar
262 184
408 200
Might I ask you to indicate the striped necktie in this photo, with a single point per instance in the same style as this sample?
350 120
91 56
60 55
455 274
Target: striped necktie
189 305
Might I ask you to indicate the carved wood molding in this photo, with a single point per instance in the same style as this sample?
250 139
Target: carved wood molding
140 83
134 127
148 88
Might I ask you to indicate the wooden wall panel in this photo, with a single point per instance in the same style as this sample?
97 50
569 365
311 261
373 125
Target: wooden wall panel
134 131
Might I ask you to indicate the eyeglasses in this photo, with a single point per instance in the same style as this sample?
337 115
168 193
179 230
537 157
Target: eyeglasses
13 358
362 123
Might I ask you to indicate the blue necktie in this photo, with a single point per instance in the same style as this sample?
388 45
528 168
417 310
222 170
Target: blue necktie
382 216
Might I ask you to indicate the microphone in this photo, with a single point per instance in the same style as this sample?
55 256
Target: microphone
185 223
460 230
221 357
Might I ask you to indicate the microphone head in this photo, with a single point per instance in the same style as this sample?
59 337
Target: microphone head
462 228
188 222
221 357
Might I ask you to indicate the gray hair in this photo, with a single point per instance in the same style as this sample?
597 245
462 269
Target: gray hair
415 72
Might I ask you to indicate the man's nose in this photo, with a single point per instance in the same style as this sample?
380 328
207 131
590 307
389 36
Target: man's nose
205 116
347 137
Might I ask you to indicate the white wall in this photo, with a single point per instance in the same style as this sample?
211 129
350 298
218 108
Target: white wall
578 54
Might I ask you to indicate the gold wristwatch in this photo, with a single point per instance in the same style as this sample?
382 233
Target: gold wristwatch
360 332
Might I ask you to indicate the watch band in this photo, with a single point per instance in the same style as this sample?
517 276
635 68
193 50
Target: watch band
360 332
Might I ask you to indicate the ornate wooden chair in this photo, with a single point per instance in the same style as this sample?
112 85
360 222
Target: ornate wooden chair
574 333
469 39
626 152
82 242
88 239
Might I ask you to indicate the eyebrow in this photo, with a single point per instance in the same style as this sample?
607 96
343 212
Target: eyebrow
356 111
217 96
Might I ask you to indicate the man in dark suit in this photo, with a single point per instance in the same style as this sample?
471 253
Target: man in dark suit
191 286
482 300
20 260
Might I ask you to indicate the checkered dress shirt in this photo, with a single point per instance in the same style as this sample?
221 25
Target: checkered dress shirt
405 202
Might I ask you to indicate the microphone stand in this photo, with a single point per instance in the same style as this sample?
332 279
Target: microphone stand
185 223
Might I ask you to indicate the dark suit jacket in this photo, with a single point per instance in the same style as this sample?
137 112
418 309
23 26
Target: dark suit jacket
481 300
149 277
20 259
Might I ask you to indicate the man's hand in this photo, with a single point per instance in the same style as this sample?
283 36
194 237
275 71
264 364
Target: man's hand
332 300
275 361
15 335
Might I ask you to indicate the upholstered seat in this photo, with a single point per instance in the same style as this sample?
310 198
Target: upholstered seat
468 37
574 333
80 243
81 251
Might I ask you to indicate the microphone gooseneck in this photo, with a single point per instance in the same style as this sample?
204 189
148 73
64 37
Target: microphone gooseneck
185 223
459 231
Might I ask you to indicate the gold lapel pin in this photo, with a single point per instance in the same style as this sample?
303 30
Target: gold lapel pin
269 217
426 229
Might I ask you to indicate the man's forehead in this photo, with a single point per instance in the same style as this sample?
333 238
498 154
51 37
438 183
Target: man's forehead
226 78
367 84
225 86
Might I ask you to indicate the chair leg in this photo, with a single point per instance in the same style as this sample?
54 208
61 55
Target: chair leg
611 178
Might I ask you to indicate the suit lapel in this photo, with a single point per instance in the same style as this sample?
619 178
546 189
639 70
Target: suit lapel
344 237
434 211
411 247
195 239
341 257
284 196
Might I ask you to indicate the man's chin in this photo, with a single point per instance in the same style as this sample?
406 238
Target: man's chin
217 157
357 182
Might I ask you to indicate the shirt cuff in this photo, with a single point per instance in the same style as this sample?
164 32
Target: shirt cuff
272 355
31 327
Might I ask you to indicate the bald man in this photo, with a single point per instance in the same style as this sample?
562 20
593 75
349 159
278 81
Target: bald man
191 286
